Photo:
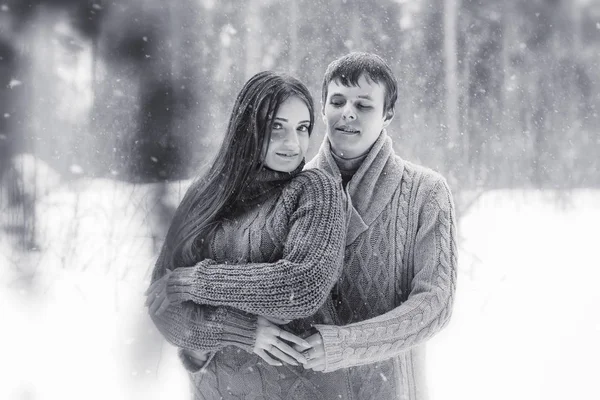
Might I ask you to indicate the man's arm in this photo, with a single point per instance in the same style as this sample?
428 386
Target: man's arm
423 314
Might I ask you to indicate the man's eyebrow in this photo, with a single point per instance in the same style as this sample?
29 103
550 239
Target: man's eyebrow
363 96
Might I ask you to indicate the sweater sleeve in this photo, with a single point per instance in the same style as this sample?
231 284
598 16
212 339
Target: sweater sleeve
293 287
202 327
428 306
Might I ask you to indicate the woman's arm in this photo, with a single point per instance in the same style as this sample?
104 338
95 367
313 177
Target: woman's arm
295 286
202 327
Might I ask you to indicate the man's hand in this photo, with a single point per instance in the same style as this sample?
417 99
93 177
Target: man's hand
269 343
316 354
156 295
197 357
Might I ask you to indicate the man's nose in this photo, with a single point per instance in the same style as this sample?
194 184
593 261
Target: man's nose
348 113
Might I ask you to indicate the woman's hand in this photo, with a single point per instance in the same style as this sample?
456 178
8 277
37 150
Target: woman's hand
156 295
270 342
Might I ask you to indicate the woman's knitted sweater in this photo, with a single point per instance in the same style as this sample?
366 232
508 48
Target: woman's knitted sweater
278 255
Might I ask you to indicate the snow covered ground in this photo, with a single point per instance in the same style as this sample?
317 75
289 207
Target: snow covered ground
526 323
527 319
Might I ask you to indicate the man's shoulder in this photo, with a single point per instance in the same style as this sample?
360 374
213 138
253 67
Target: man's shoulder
312 164
424 180
421 172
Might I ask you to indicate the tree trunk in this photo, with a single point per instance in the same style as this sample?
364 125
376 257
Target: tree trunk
253 38
450 63
294 48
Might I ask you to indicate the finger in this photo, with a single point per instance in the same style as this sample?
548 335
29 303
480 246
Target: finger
314 340
262 354
314 354
287 349
282 356
277 321
319 368
155 305
151 297
154 285
294 339
165 304
316 363
197 357
155 292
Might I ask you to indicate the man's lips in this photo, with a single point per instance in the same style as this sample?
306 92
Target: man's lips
346 129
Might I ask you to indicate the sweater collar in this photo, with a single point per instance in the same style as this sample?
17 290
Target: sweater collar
264 183
371 188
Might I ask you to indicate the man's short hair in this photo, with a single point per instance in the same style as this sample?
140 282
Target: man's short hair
349 68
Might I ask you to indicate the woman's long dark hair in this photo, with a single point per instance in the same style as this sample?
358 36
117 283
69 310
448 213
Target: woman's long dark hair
239 159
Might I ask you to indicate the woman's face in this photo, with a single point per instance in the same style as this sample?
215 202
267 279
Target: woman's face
289 136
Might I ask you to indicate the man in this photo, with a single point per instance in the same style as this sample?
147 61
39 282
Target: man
399 277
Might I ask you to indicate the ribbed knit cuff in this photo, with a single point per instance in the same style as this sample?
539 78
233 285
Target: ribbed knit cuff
182 285
239 328
333 347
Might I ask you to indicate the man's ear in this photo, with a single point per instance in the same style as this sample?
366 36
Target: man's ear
389 116
323 117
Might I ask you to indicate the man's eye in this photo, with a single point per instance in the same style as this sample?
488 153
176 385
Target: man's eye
336 103
364 107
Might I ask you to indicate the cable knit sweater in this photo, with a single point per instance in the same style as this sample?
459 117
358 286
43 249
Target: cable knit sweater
277 254
399 277
397 287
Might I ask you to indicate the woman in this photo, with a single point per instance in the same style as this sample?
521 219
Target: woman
256 240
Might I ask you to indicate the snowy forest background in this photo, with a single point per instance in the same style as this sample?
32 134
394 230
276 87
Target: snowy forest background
108 108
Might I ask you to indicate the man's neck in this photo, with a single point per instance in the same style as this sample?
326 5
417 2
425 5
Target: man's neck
348 166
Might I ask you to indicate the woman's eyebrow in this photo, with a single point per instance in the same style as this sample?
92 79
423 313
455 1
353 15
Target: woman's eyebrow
281 119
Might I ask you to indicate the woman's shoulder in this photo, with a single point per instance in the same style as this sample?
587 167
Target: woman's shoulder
315 180
313 185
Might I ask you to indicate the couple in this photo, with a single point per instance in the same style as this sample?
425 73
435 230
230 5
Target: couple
280 280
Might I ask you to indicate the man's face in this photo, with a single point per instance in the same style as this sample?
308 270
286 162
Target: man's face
354 116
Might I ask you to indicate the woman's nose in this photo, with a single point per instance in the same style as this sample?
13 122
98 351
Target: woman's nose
291 138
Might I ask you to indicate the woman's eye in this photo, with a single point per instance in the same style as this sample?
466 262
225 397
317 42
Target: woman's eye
277 125
303 128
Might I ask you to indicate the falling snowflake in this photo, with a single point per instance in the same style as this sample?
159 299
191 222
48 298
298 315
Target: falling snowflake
76 169
14 83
